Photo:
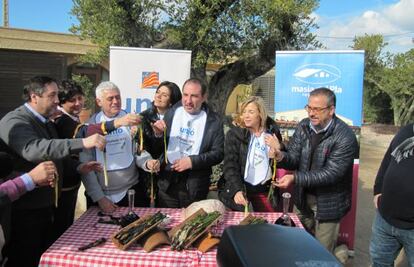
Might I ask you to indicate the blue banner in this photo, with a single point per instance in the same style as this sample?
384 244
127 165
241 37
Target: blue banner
299 72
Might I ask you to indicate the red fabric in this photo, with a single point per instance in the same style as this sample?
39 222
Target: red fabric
93 129
347 228
260 203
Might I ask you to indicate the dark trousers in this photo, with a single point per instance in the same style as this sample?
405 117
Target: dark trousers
176 195
30 236
64 214
141 198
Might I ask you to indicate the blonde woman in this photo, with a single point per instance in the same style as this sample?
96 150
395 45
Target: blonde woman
248 151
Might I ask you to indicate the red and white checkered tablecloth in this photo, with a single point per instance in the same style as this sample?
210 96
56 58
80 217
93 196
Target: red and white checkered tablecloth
64 252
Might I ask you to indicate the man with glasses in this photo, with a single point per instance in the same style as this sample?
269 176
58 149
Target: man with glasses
321 153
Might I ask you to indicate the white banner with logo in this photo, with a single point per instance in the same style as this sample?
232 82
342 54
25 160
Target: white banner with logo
138 71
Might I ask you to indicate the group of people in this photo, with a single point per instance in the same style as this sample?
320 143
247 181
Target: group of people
165 153
50 152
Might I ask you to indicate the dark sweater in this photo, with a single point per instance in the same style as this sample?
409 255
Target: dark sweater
395 181
66 128
153 145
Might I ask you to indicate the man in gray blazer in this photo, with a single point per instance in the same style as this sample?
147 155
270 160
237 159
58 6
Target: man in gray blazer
31 139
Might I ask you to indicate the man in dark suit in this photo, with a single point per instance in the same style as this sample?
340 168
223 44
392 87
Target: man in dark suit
30 138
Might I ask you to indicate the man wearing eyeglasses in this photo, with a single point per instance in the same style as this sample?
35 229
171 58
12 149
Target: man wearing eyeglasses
321 153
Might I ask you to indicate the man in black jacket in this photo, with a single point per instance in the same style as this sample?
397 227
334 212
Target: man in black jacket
321 152
195 143
393 226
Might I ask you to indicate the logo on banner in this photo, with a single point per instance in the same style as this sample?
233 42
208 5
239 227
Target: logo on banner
150 80
317 73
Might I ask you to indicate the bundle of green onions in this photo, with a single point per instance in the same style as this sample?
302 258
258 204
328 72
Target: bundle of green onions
141 138
246 206
137 134
257 220
55 183
271 190
105 168
192 229
152 193
129 233
165 145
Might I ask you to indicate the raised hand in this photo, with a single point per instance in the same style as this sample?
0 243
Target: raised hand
274 144
285 181
86 167
158 127
182 164
153 165
129 119
272 141
106 205
240 199
95 140
43 174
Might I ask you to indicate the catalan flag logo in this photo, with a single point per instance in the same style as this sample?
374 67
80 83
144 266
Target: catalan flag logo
150 80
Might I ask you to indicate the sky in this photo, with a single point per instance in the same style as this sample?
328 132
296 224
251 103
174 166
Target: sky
339 21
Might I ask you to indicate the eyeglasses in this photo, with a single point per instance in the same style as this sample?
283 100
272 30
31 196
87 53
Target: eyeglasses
316 110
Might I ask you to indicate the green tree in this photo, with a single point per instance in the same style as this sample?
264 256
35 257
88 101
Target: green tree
88 89
241 35
398 83
388 82
377 103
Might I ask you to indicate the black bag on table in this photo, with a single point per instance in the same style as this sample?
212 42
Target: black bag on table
271 245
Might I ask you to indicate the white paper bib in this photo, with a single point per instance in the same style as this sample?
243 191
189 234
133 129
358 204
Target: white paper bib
118 146
186 134
257 164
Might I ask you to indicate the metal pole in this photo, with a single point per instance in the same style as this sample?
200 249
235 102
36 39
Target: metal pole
6 13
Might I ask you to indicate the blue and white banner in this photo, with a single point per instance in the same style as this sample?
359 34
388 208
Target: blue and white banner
138 72
299 72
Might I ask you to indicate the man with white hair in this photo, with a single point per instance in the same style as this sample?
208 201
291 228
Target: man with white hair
119 157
